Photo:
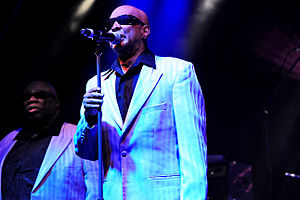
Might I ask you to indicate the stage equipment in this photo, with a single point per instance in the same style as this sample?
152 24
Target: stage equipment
217 175
228 180
264 110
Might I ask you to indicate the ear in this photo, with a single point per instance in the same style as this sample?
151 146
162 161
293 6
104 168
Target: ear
146 32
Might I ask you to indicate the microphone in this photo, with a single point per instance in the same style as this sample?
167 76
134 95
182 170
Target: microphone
99 36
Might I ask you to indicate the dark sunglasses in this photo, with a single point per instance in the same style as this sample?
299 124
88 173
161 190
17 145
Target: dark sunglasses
38 95
123 20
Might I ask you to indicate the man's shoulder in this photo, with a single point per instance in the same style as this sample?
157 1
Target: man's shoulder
10 136
14 132
69 125
172 63
171 60
68 129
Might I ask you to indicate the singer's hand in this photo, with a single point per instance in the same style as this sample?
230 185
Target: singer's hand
92 101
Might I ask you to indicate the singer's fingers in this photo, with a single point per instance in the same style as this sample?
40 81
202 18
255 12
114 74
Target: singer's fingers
92 102
93 96
92 105
95 89
93 99
94 93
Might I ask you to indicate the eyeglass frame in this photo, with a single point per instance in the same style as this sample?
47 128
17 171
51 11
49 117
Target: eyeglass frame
38 95
132 20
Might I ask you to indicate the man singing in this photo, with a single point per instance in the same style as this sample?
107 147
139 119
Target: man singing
153 120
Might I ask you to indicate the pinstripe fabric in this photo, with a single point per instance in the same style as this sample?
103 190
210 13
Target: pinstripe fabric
63 175
159 152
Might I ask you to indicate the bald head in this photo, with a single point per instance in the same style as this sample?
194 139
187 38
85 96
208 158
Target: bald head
133 30
41 86
130 10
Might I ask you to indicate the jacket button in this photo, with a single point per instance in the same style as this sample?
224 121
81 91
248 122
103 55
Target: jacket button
124 153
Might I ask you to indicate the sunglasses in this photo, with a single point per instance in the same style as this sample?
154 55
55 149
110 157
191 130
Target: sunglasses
37 95
123 20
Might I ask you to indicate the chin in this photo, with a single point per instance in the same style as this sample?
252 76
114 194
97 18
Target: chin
120 50
33 116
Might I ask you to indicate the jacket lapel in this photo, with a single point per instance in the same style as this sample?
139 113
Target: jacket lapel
147 81
109 91
56 148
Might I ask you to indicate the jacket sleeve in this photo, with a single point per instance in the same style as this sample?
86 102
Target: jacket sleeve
86 138
190 122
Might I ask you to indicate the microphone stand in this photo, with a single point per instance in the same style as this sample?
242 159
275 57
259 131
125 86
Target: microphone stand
99 37
98 54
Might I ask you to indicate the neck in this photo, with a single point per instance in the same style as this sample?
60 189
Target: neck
41 123
128 60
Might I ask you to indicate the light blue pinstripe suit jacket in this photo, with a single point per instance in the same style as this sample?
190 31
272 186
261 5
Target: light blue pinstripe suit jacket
159 151
63 175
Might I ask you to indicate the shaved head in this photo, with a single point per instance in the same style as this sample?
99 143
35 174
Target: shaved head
130 10
41 86
133 35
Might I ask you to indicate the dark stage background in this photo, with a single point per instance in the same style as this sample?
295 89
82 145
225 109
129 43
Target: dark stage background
241 51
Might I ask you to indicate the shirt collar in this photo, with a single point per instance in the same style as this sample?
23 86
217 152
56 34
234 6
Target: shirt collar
146 58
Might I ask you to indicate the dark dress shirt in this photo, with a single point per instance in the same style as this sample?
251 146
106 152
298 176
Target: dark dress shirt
22 164
125 83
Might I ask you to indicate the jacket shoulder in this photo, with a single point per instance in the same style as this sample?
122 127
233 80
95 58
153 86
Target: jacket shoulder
172 66
68 129
11 134
172 62
69 125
